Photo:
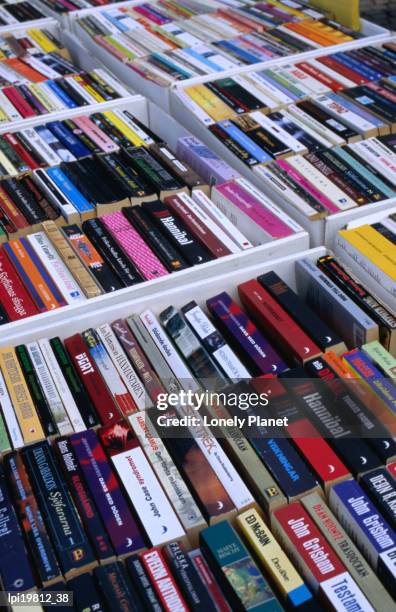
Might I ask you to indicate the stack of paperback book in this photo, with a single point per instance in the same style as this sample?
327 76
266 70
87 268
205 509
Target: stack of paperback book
318 133
281 500
66 239
20 11
37 77
370 251
167 42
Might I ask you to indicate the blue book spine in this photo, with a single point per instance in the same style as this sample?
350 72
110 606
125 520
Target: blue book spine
358 67
25 278
58 91
360 517
389 193
357 109
380 384
165 60
245 142
70 190
47 278
203 59
247 57
15 572
68 139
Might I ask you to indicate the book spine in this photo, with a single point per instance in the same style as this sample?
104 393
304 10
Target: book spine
138 359
124 367
109 373
313 555
15 570
141 485
83 500
273 559
163 581
120 524
367 528
346 550
95 386
25 410
31 520
9 415
168 474
60 516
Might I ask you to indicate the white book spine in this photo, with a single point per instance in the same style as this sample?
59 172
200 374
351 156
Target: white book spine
369 153
169 352
49 389
318 180
279 132
80 90
125 370
336 108
134 126
66 210
319 131
9 415
210 224
57 102
148 499
41 147
8 108
56 268
303 80
62 386
167 473
221 464
215 213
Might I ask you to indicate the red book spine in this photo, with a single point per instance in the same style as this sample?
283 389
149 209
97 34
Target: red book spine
320 76
163 581
12 212
20 149
196 227
315 552
316 451
346 72
13 296
16 98
278 325
93 382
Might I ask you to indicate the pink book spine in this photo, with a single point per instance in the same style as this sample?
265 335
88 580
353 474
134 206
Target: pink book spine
150 16
133 244
255 210
307 186
96 134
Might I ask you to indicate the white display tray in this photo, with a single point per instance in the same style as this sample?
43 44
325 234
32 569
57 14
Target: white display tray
161 95
169 130
197 286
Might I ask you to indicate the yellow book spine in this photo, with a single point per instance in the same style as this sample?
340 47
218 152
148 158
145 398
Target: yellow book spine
21 399
345 12
35 89
42 40
125 129
374 246
210 103
269 553
89 89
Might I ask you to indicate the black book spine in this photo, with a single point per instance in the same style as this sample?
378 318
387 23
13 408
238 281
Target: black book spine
40 402
156 239
111 252
77 390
